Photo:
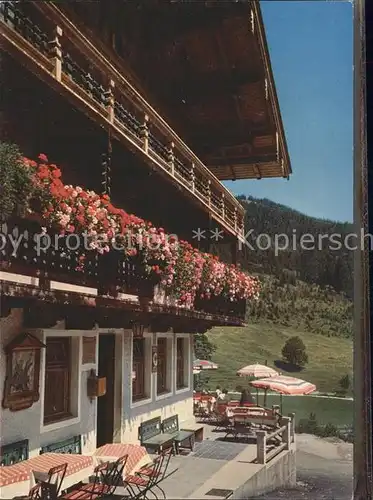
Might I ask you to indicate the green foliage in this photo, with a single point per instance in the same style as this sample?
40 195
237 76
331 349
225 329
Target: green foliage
16 185
203 347
323 266
311 426
345 383
294 351
201 381
304 306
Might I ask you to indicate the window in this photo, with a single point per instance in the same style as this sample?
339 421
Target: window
180 364
162 366
138 367
57 379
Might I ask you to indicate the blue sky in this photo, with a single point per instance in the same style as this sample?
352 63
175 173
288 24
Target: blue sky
312 55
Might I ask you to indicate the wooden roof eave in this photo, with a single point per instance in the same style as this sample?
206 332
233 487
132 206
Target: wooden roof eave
258 25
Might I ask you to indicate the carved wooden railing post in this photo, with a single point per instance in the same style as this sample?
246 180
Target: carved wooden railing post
235 218
252 22
144 132
223 205
209 192
56 53
261 442
109 96
193 177
171 158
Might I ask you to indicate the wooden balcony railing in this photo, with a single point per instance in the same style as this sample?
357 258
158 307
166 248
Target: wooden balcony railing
51 257
55 49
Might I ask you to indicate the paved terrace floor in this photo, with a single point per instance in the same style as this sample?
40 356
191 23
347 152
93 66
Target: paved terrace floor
214 464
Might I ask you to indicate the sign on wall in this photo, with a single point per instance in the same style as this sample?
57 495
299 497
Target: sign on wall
154 358
89 350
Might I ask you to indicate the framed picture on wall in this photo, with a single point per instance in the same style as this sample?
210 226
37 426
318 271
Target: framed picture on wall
21 386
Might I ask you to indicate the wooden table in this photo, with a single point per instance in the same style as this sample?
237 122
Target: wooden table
18 479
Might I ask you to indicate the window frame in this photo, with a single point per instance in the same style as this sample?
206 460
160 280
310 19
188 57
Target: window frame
169 366
148 379
185 339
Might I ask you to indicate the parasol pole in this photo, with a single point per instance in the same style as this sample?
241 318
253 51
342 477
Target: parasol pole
265 397
281 402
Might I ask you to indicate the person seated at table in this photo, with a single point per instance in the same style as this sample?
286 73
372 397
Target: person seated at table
218 391
246 398
223 395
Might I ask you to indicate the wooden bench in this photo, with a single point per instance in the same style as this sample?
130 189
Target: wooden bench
71 445
151 436
170 426
14 453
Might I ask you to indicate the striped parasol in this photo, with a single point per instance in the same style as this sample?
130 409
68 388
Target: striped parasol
285 385
257 371
204 364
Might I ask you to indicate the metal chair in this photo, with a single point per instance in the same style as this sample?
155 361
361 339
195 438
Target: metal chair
147 470
140 484
108 475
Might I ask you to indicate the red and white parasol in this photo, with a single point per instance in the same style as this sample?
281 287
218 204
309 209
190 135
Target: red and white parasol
257 371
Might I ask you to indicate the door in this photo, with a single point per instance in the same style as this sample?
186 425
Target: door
105 404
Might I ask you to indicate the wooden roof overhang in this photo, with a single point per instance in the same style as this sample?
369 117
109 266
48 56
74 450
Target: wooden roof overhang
207 65
84 310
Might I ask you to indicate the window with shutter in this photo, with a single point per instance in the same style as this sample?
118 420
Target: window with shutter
162 366
180 363
57 379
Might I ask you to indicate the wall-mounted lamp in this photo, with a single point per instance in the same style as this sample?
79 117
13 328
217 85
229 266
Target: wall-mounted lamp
137 330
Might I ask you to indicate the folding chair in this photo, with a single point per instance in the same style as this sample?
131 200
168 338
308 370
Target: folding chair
140 484
108 475
41 491
54 476
148 470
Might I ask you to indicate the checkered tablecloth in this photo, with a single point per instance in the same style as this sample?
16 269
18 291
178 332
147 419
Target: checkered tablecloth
23 470
137 455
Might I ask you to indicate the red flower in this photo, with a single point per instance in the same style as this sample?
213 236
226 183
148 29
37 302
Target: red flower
43 157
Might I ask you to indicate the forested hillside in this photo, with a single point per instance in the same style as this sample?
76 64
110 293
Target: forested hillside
324 266
304 293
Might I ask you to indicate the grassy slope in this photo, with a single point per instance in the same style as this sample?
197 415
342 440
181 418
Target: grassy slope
329 357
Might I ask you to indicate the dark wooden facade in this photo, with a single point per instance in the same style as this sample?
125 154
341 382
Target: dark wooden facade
68 91
207 66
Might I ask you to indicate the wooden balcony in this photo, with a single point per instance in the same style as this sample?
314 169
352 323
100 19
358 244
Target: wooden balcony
43 39
51 264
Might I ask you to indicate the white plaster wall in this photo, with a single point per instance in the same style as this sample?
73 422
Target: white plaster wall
28 424
177 402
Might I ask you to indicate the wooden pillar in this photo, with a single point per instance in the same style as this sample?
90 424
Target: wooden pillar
292 426
286 435
56 53
261 443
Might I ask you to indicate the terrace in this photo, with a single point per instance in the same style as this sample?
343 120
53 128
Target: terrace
217 468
